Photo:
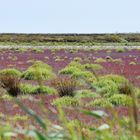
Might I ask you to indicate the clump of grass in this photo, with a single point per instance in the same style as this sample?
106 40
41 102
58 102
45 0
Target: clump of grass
137 91
109 85
10 84
45 90
100 60
118 61
69 70
132 63
126 88
27 89
66 101
65 86
120 99
22 49
77 59
83 75
100 103
76 64
77 70
115 78
10 72
31 89
38 70
120 50
38 50
86 94
105 87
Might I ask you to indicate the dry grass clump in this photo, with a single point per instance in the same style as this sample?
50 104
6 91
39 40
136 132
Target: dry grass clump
10 84
65 86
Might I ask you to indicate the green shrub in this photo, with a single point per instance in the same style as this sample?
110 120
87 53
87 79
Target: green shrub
115 78
109 85
38 50
81 71
45 90
83 74
69 70
118 61
105 87
100 103
38 71
22 49
120 99
120 50
100 60
66 101
78 73
27 89
86 94
10 72
31 89
76 64
137 92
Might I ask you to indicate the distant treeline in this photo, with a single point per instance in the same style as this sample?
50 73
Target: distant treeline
70 38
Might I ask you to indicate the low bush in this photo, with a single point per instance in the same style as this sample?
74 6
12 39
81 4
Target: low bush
115 78
10 84
66 101
38 50
23 49
78 73
109 85
86 94
126 88
81 71
69 70
137 92
93 66
105 87
31 89
45 90
65 86
120 50
76 64
27 89
100 60
118 61
38 71
10 72
100 103
120 99
83 74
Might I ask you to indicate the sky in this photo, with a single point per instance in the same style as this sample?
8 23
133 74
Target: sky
69 16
